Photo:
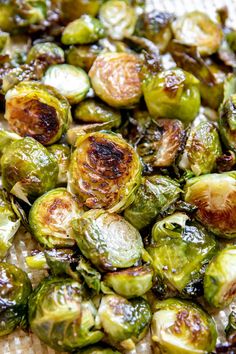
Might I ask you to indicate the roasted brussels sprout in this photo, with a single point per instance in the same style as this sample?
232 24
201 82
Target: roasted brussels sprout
47 52
15 14
84 30
220 278
98 350
50 218
131 282
83 55
15 288
38 111
61 153
118 18
181 327
107 240
115 79
124 321
196 28
230 330
155 195
155 26
9 224
61 315
28 169
73 9
173 94
180 250
70 81
92 111
105 171
202 148
227 122
214 196
90 275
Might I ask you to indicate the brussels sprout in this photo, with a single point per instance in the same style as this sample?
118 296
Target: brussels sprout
196 28
155 195
47 52
181 327
118 18
15 288
28 169
17 14
220 278
173 94
107 240
115 79
157 141
73 9
38 111
61 315
76 131
92 111
84 30
9 224
83 55
227 122
61 153
124 321
105 171
202 148
98 350
50 218
180 251
230 330
226 161
70 81
130 282
90 275
155 26
6 138
214 196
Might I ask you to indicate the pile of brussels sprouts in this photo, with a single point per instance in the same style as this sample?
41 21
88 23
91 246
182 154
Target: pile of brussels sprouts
117 153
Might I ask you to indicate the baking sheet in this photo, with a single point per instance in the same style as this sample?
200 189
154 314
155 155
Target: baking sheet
21 343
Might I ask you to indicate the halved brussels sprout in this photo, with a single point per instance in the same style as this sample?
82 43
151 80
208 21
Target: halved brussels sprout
105 171
28 169
70 81
38 111
92 111
83 55
118 18
180 251
97 350
202 148
62 153
17 14
173 94
9 224
155 26
230 330
124 321
115 79
227 122
62 316
214 196
15 288
47 52
220 278
107 240
196 28
84 30
181 327
73 9
131 282
155 195
50 218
